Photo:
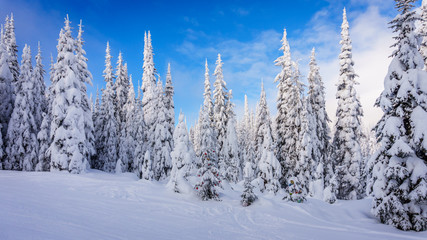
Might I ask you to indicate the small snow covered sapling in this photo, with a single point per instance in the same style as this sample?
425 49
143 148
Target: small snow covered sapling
248 196
147 167
294 191
329 194
209 177
183 157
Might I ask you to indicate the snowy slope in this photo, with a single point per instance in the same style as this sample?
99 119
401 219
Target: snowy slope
97 205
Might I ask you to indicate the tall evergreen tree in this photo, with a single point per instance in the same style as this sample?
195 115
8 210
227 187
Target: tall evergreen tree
207 123
233 172
68 150
12 48
399 182
128 132
148 83
305 164
208 150
39 90
207 95
85 77
97 125
269 169
43 136
319 116
293 114
6 90
206 107
262 117
40 109
22 145
284 83
140 141
246 137
108 131
347 154
169 104
150 99
161 138
242 135
219 113
122 87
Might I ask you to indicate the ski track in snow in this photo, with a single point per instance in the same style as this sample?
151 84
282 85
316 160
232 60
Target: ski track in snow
98 205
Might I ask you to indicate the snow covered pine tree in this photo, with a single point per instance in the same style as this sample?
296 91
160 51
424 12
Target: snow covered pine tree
231 146
6 92
248 196
208 172
209 176
85 77
316 100
269 169
22 145
9 40
68 150
220 115
183 158
399 181
108 138
346 154
43 136
128 132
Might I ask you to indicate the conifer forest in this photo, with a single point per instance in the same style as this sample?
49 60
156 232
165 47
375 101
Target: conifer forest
124 162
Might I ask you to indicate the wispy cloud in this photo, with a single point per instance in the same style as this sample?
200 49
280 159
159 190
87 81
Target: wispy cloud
246 63
192 21
241 11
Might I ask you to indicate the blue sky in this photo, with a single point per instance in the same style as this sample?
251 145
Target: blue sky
246 33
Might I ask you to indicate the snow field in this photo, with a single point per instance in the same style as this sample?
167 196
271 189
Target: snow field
98 205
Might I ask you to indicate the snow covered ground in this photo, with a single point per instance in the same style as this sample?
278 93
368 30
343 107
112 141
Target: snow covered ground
97 205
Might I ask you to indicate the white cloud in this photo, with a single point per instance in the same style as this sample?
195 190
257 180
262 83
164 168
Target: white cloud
246 63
